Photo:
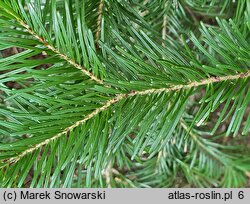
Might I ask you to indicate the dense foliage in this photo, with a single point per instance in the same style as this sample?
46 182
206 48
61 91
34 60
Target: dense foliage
124 93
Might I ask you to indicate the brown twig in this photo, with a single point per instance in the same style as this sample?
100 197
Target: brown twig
99 20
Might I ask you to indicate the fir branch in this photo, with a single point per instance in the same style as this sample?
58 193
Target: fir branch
200 144
61 55
120 97
144 99
192 84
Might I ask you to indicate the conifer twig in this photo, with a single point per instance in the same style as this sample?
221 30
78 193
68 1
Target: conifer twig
164 26
120 97
61 55
198 142
108 174
99 19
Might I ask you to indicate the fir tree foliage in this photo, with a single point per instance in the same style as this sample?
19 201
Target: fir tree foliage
133 93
